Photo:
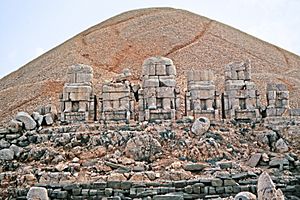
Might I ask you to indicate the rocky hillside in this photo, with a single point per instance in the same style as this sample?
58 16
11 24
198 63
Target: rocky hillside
124 41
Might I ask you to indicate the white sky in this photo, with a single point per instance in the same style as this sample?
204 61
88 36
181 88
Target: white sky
30 28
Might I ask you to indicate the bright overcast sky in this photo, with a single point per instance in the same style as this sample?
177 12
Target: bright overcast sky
30 28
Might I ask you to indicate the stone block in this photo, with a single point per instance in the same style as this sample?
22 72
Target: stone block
145 70
27 120
160 69
220 190
167 82
168 197
254 160
165 92
6 154
151 83
151 102
37 193
171 70
230 182
79 96
217 182
149 92
49 119
15 126
241 75
77 89
295 112
228 189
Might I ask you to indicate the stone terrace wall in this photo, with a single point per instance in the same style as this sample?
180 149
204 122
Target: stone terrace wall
211 188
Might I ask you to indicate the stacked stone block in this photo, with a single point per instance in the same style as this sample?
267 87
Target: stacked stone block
241 99
278 100
77 99
117 101
158 96
202 98
206 188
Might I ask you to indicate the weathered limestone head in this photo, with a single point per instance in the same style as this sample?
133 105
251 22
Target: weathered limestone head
79 73
238 71
158 66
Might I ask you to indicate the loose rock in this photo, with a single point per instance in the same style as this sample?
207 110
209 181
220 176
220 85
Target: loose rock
35 193
281 146
142 148
17 150
38 118
49 119
4 144
6 154
245 196
195 166
200 126
266 189
254 160
27 120
15 126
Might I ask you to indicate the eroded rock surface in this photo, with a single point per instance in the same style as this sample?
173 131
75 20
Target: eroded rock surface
142 148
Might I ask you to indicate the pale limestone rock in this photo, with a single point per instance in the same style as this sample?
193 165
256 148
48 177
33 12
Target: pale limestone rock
27 120
17 150
38 118
245 196
15 126
49 119
37 193
142 148
266 189
281 146
254 160
200 126
116 177
6 154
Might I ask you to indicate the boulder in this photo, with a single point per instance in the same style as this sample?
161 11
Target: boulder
142 148
15 126
139 177
37 193
17 150
27 120
245 196
38 118
116 177
266 188
254 160
200 126
281 146
4 144
6 154
278 162
195 166
49 119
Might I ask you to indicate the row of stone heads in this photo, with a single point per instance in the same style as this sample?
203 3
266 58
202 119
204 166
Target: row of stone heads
157 95
163 69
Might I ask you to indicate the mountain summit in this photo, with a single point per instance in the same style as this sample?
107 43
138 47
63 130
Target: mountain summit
124 41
